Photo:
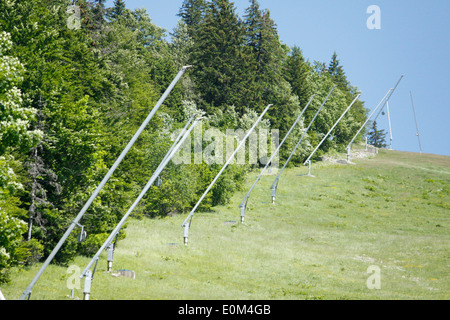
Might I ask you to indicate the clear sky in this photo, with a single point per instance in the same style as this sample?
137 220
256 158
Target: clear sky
414 40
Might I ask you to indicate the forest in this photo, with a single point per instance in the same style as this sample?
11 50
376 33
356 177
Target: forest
72 97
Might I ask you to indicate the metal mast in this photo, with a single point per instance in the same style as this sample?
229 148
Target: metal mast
415 119
390 128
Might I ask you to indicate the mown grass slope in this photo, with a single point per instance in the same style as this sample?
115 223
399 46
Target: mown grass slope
316 242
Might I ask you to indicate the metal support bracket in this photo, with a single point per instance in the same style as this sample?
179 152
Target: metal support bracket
186 233
110 257
82 236
87 285
274 191
309 168
243 207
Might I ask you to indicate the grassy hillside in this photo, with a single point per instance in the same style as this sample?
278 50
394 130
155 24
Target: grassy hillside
317 242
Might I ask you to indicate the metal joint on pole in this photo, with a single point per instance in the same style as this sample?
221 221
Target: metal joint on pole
186 233
110 257
87 285
243 207
309 168
274 192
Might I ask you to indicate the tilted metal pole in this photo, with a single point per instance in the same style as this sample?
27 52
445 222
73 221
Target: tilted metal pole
28 290
340 118
180 136
390 92
415 119
390 95
182 132
243 204
275 182
349 146
175 145
188 221
158 171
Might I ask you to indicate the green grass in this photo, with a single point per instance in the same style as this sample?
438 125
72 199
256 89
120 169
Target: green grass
316 242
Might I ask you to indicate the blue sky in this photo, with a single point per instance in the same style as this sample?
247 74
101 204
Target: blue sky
414 40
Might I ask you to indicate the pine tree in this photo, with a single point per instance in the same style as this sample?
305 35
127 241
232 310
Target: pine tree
192 13
296 72
219 57
268 56
271 52
263 40
253 25
118 9
376 137
337 73
357 113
